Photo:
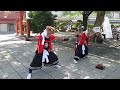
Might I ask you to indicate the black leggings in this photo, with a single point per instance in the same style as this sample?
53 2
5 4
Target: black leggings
78 52
30 70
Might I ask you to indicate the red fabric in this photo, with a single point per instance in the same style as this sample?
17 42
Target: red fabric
40 47
88 40
82 38
52 37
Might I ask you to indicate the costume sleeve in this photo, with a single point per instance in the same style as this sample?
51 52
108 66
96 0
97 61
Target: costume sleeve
39 46
52 37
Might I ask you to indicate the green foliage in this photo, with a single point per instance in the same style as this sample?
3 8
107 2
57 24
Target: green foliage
72 14
74 25
63 24
90 26
79 22
40 19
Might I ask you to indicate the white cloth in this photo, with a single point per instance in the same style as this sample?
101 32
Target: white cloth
45 56
45 52
83 49
44 34
86 32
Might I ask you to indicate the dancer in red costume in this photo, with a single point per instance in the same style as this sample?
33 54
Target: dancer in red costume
44 54
81 46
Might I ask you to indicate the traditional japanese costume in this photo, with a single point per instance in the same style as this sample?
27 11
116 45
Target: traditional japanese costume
44 52
81 46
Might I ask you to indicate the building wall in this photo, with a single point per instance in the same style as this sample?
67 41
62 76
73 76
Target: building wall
8 20
3 27
11 27
116 16
7 27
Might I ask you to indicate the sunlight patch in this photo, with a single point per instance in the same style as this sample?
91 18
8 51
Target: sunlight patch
74 70
107 65
109 62
3 52
112 60
16 63
68 75
102 57
5 76
7 56
86 77
12 42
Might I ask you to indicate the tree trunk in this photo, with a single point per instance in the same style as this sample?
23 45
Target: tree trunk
98 23
85 18
99 18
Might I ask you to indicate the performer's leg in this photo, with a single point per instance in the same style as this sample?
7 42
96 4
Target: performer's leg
86 52
35 64
57 66
30 70
30 74
76 57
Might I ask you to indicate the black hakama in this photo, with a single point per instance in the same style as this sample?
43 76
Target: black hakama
37 60
78 52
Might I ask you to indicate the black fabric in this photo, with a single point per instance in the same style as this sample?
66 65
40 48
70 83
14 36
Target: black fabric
78 51
37 60
46 44
52 58
30 70
76 59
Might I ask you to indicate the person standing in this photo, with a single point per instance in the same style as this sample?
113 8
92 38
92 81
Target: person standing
44 54
81 46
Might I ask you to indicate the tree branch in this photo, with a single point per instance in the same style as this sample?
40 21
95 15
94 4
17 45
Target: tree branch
89 12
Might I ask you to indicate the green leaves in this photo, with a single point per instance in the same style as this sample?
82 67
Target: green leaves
40 19
71 14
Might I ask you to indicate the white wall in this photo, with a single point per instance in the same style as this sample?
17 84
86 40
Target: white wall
3 27
116 15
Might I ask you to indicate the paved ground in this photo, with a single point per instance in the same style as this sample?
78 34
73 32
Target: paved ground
16 55
110 49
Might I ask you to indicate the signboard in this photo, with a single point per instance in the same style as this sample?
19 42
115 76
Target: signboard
96 29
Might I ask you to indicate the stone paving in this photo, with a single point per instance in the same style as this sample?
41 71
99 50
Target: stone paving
110 49
16 56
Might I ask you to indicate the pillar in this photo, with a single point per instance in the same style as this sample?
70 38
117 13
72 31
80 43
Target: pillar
21 23
17 32
28 27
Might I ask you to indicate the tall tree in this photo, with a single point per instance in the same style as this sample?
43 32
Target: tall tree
100 18
85 18
98 23
40 19
85 15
